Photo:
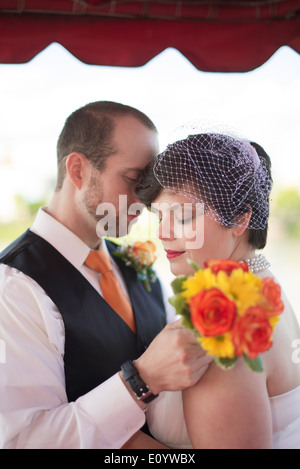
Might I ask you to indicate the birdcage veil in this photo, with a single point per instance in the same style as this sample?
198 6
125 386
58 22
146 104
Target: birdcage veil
223 172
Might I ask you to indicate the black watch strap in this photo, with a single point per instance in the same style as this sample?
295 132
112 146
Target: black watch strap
138 386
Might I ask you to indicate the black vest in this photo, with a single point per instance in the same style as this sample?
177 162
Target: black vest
97 340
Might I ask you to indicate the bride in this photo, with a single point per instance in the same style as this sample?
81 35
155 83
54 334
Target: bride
236 408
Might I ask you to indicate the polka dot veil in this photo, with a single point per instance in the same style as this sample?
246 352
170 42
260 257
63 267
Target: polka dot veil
226 174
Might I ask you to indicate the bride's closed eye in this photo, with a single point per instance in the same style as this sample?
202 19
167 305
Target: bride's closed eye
185 213
184 216
185 221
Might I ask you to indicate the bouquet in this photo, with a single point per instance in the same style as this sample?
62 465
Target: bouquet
141 256
232 312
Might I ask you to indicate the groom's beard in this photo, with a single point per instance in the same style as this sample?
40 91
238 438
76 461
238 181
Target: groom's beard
92 198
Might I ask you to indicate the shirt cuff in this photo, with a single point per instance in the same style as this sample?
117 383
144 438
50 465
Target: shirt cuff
113 411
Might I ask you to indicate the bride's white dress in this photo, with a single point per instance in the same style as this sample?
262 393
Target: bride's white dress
166 420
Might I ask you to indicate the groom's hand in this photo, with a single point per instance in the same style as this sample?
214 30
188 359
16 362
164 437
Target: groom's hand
173 361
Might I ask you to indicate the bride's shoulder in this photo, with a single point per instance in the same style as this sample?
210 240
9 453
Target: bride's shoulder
230 404
283 374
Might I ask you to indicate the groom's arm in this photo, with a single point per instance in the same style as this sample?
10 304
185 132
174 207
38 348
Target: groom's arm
174 361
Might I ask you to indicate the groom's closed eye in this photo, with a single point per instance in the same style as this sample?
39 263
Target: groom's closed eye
133 176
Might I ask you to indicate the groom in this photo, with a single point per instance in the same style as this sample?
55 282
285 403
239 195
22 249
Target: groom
78 373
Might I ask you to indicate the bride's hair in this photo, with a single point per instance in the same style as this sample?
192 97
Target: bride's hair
230 176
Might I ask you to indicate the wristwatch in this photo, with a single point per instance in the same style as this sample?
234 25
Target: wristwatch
138 386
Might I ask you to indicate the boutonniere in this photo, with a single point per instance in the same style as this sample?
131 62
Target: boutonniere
141 257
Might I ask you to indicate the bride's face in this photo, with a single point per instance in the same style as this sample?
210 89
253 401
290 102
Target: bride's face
188 234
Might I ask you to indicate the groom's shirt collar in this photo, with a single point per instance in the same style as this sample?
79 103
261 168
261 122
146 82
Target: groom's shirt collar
61 238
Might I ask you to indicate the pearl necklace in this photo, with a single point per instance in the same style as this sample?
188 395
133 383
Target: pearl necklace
257 263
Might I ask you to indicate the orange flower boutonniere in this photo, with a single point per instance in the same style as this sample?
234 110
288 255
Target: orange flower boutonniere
141 257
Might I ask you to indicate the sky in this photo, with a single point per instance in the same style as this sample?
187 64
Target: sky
37 97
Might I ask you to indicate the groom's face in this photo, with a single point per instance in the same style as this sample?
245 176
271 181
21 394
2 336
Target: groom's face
135 146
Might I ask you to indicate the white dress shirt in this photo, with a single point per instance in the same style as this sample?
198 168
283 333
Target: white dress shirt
34 409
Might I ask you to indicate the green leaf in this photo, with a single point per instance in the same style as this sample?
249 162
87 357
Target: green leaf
186 316
225 363
255 365
147 285
193 264
187 323
122 255
177 283
178 302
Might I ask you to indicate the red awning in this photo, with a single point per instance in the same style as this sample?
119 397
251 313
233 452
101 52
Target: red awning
218 36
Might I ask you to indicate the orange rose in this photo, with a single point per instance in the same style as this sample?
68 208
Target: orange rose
272 301
144 251
252 333
212 313
227 265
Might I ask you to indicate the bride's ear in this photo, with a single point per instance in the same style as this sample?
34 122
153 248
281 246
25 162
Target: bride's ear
242 223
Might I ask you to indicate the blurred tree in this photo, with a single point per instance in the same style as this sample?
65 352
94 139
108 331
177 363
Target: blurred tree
287 210
26 211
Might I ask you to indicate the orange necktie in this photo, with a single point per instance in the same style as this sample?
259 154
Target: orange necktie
111 289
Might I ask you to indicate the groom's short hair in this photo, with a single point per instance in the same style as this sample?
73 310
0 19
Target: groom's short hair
89 131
